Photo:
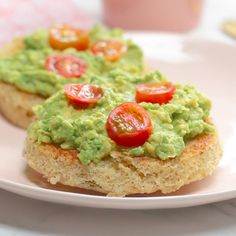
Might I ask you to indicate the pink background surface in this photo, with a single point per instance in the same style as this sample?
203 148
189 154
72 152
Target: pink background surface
164 15
19 17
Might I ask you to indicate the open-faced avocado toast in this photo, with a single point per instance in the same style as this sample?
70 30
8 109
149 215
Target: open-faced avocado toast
132 134
35 67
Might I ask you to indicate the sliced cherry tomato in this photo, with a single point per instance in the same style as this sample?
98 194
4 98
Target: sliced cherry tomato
155 93
65 36
129 125
83 95
109 49
66 65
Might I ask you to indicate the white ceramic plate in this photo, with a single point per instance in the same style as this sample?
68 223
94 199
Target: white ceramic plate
211 66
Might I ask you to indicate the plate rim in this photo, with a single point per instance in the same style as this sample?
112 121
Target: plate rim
107 202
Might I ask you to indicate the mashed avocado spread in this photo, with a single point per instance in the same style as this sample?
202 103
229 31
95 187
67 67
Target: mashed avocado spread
26 69
174 123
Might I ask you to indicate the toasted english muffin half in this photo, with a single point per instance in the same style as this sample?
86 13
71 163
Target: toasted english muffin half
15 104
120 174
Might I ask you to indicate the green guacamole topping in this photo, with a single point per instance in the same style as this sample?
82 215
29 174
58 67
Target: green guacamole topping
174 123
26 70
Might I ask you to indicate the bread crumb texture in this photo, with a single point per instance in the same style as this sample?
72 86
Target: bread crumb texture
121 175
16 106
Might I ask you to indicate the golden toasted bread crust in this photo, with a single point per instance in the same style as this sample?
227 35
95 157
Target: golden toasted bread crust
120 174
11 48
15 104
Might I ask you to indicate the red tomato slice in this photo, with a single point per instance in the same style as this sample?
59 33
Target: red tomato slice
83 95
110 50
155 93
65 36
129 125
66 65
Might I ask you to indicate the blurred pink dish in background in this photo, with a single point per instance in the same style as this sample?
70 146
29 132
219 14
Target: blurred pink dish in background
164 15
